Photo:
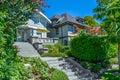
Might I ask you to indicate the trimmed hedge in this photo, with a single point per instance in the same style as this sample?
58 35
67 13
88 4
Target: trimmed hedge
92 48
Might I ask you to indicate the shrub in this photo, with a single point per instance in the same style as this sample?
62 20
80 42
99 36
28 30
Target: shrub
56 50
114 60
91 66
112 51
106 64
58 75
64 48
39 68
89 48
95 68
92 48
54 55
109 75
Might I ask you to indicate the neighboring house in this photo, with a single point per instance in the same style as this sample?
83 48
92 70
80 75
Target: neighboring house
65 26
35 29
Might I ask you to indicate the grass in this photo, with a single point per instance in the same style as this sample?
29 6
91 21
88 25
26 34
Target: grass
54 55
58 75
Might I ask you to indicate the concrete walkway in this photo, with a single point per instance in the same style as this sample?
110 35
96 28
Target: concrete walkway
26 50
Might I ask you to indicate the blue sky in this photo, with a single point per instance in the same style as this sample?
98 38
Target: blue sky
73 7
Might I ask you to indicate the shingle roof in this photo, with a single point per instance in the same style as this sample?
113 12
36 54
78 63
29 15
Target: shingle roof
66 18
79 18
56 17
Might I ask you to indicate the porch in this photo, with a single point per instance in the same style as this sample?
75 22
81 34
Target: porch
44 41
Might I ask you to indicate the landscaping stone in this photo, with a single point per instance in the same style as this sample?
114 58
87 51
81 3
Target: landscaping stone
72 69
115 66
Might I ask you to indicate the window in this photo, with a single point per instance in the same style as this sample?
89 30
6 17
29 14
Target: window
57 31
72 29
39 34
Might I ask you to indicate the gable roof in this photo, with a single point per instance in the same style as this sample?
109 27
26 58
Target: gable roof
66 18
44 16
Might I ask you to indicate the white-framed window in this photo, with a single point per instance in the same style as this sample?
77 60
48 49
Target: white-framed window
39 34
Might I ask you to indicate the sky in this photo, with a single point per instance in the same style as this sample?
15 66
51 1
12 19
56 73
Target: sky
73 7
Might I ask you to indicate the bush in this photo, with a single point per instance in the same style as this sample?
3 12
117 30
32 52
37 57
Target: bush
106 64
89 48
109 75
56 50
114 60
113 51
58 75
39 69
54 55
64 48
92 48
91 66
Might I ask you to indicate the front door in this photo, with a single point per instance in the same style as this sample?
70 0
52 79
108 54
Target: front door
20 35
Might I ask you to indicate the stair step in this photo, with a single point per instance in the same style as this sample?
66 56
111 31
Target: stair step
58 64
73 77
47 59
69 68
55 62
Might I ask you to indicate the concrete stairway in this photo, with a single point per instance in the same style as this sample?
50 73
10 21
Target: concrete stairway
26 49
73 71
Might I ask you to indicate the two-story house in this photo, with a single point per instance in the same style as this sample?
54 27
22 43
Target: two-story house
65 26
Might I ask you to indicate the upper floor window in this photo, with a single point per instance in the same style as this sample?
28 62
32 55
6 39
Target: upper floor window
72 29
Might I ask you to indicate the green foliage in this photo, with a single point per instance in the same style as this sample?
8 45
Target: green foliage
54 55
114 60
13 70
109 75
41 71
91 48
89 20
12 14
56 50
113 51
58 75
39 68
108 12
91 66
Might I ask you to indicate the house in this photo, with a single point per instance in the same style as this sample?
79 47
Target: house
35 30
65 26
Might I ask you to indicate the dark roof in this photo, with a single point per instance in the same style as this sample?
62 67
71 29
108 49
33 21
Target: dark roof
56 17
79 18
66 18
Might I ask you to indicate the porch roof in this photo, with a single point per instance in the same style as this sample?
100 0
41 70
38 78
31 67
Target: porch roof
39 27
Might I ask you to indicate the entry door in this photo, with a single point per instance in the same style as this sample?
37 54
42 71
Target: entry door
20 35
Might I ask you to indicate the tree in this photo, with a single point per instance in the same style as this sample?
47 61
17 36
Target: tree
109 12
12 14
89 20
